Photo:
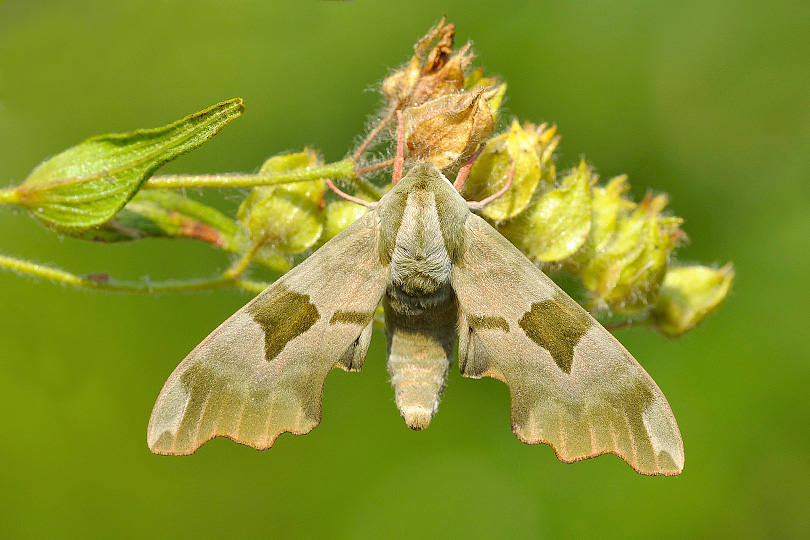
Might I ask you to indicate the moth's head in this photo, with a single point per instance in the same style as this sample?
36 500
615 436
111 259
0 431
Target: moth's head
424 176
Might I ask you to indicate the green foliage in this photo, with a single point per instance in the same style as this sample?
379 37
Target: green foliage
163 214
688 295
704 100
619 250
511 153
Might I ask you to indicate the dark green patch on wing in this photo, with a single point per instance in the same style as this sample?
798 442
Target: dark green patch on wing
556 325
284 317
359 318
484 322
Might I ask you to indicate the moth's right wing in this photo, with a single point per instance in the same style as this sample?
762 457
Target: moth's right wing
262 372
573 385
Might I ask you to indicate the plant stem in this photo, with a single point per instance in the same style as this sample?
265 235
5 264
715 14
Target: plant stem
103 282
375 132
375 167
241 264
340 169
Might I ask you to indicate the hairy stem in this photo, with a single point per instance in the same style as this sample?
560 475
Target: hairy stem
240 265
374 167
340 169
374 133
103 282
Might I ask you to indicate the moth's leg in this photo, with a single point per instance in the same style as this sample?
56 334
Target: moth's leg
348 197
399 161
464 172
480 204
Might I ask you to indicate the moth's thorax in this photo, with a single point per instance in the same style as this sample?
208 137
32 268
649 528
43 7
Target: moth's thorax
420 264
421 236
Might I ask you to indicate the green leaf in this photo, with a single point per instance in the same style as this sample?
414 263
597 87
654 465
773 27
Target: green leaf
88 184
166 214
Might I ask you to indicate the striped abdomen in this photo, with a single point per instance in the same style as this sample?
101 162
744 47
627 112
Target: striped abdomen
421 331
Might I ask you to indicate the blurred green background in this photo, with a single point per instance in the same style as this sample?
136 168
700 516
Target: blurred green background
708 101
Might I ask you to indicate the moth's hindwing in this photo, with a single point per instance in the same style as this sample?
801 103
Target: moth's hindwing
573 385
262 372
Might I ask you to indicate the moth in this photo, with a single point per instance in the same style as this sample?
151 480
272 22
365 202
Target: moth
444 276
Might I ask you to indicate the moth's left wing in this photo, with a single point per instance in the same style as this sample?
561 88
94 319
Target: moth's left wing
573 385
262 372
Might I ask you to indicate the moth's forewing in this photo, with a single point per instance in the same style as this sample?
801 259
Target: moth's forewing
573 385
261 373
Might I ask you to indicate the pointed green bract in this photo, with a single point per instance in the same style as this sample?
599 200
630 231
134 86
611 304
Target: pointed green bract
495 98
557 223
88 184
626 275
511 150
608 209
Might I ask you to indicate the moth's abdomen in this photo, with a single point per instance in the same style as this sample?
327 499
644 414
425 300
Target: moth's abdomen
421 333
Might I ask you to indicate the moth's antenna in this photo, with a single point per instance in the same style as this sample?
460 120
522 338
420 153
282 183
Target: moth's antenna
464 172
400 159
348 197
480 204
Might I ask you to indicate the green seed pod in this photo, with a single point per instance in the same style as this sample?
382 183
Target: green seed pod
626 275
338 216
688 295
266 256
288 217
513 149
609 208
557 223
272 259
